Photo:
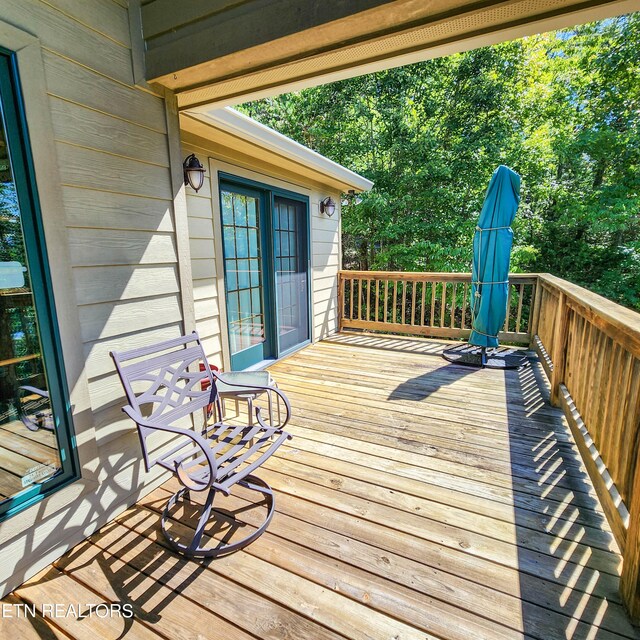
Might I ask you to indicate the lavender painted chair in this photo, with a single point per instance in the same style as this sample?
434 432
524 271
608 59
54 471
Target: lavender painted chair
164 387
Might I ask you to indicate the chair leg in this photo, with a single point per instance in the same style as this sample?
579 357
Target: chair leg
193 549
202 522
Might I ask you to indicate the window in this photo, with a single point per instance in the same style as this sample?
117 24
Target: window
36 452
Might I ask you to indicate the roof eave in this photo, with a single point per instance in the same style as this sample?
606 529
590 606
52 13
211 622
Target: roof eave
238 124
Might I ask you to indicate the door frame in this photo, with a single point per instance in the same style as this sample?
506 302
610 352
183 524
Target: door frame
269 192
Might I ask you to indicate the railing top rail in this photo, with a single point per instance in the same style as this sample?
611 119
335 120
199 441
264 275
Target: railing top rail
605 314
435 276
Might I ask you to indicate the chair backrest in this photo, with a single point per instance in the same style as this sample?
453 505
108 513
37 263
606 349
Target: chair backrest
164 381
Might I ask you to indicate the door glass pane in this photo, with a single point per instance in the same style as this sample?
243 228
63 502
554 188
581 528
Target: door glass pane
290 246
29 449
243 277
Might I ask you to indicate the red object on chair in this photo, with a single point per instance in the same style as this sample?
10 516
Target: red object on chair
205 384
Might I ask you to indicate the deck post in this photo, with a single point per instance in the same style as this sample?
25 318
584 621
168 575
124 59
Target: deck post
558 357
535 312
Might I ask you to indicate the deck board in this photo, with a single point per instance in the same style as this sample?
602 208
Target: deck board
418 499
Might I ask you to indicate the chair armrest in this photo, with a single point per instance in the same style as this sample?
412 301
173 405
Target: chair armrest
218 376
40 392
181 472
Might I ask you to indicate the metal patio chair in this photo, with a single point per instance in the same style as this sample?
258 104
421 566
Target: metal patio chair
164 387
34 409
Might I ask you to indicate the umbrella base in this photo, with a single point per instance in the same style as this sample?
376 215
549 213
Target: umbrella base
480 357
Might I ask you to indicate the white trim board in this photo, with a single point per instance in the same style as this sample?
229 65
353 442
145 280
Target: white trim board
232 125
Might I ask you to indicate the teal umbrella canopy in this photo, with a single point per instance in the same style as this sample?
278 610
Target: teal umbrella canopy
491 255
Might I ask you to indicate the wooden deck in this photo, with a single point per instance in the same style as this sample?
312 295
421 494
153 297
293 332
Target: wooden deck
418 499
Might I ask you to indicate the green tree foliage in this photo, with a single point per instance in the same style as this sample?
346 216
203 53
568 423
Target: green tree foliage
562 109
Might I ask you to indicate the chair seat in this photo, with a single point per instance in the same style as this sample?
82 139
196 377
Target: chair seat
239 450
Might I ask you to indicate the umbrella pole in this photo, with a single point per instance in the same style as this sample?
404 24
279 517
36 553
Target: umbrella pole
483 357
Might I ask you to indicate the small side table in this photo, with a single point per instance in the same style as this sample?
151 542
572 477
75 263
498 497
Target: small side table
258 378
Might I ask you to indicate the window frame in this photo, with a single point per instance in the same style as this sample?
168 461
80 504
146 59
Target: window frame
23 172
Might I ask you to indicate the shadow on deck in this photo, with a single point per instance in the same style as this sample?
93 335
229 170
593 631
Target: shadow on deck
418 499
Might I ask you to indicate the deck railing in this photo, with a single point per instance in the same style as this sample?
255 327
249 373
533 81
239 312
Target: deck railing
590 349
427 304
588 346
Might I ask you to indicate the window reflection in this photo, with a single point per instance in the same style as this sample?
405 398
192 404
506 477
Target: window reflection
29 451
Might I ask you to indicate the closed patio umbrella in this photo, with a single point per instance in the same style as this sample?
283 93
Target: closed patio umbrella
490 277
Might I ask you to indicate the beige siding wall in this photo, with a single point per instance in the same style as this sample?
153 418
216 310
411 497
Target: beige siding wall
115 190
208 274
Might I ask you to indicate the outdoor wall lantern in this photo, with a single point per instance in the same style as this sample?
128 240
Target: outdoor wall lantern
351 197
193 172
327 206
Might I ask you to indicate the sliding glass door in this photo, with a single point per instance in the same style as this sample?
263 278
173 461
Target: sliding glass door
266 268
244 271
291 272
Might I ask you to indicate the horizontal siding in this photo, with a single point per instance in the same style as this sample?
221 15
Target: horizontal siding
105 247
113 159
69 80
199 206
97 284
91 169
206 308
98 361
99 15
202 269
202 249
87 208
68 37
114 163
205 288
200 228
87 127
109 319
322 260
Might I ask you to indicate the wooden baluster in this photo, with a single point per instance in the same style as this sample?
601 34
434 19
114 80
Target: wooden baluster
413 303
625 429
433 303
520 299
422 309
341 301
505 328
559 348
352 298
403 316
585 364
453 306
386 297
595 369
464 305
534 312
368 318
608 374
377 299
443 303
577 363
394 318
